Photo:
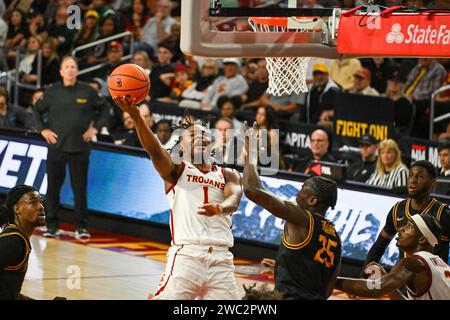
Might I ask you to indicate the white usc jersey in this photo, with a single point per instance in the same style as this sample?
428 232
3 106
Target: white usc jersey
438 275
192 189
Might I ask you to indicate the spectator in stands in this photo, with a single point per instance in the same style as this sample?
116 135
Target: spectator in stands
17 29
424 79
126 134
11 116
157 28
320 144
361 84
159 89
36 26
178 81
49 67
114 56
58 32
258 86
444 159
88 33
228 107
390 171
381 70
173 42
403 107
193 95
26 64
141 59
137 19
362 170
107 28
342 72
266 119
232 83
102 8
249 70
164 134
147 114
319 104
285 105
227 147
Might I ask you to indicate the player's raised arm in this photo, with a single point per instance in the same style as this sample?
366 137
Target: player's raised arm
166 168
255 192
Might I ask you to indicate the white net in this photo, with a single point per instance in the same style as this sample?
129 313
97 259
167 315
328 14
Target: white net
287 75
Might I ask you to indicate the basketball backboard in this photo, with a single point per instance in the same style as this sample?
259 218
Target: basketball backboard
219 29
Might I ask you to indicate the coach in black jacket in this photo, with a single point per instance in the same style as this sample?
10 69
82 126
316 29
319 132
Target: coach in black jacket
75 114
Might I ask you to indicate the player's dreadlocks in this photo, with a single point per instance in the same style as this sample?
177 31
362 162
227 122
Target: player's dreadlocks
326 191
188 121
7 214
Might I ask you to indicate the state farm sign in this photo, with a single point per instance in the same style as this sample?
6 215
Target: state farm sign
426 35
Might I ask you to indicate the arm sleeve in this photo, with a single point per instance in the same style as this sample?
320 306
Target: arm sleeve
12 250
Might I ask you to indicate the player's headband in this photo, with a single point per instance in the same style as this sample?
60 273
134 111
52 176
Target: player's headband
420 223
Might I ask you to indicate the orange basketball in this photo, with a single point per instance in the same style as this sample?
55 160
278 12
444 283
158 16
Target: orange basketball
129 80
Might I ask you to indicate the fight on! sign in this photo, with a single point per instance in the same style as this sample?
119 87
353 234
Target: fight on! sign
416 35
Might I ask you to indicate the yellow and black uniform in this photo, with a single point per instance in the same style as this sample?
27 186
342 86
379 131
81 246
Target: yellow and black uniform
15 249
399 215
304 270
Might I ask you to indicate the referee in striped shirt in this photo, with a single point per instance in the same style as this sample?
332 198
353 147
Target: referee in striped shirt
391 172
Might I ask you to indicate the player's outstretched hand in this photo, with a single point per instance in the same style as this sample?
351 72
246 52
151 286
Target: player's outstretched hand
270 264
127 105
210 209
374 270
251 146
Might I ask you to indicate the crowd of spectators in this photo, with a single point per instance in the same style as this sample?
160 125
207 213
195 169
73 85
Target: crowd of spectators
228 87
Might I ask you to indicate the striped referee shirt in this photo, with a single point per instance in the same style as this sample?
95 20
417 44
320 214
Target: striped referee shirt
396 178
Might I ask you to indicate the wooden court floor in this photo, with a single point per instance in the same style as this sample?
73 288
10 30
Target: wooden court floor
109 267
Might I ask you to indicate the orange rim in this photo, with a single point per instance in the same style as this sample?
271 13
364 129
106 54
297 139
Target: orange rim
271 21
281 21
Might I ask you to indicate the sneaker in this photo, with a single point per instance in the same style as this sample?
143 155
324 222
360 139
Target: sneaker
52 233
82 234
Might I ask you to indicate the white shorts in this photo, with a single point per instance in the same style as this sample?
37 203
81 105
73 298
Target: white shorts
198 272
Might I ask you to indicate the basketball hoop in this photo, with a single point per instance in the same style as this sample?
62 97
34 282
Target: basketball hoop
287 75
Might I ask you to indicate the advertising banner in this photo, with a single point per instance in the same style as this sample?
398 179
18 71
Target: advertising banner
400 35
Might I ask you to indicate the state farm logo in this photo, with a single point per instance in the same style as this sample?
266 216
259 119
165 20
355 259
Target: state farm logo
416 34
396 34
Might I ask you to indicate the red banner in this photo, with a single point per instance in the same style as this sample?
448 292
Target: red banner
415 35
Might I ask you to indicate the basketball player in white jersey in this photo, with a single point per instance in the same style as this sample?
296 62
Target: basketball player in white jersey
425 275
202 198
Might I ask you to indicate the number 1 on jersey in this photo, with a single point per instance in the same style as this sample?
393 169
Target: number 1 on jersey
205 194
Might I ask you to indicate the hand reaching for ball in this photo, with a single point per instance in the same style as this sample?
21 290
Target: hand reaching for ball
127 105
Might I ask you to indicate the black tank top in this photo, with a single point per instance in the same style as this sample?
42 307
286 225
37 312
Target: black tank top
304 270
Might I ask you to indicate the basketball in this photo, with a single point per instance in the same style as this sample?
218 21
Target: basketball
129 80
